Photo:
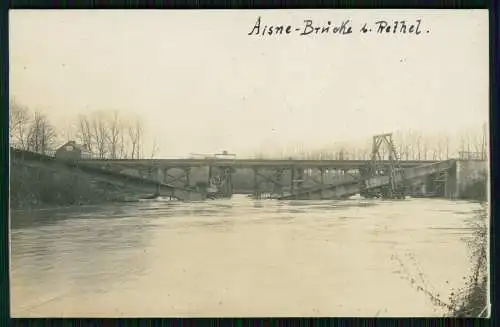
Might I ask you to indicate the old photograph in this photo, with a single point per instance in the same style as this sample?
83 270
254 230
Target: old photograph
249 163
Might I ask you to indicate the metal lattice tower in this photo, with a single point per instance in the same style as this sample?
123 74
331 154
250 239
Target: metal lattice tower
385 160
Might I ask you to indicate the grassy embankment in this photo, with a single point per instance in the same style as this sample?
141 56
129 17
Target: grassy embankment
472 299
38 181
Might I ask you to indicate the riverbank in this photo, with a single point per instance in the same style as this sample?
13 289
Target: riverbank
40 184
472 299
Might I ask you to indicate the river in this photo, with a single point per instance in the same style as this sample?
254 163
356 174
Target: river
239 257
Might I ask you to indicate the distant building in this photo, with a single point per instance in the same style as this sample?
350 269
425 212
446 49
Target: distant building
225 155
71 151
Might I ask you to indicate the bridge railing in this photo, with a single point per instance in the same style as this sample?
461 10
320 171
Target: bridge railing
468 155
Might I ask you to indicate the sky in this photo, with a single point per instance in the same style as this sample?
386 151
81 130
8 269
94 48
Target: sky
201 84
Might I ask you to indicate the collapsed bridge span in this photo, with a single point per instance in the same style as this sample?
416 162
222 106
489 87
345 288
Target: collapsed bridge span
351 186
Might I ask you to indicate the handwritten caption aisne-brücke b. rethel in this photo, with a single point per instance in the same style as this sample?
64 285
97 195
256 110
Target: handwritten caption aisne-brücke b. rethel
344 27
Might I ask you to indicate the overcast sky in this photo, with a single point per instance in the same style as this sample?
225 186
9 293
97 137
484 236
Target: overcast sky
201 84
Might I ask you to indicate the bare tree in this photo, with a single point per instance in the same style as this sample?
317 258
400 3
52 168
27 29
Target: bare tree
341 154
67 133
466 144
123 147
115 136
19 118
484 141
426 149
441 147
475 139
41 135
437 146
415 141
478 141
84 133
404 147
155 148
133 142
101 135
135 131
446 145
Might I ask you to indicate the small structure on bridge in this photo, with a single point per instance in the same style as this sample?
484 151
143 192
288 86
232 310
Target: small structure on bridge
225 155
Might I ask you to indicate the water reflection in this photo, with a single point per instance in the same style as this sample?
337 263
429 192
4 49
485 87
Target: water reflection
237 257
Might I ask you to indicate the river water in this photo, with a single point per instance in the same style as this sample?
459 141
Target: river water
240 257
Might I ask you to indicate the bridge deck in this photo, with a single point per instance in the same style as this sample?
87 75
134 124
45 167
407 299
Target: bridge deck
245 163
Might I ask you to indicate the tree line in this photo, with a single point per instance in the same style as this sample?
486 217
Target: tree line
103 134
471 143
114 135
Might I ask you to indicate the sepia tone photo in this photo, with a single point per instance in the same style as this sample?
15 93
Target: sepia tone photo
226 163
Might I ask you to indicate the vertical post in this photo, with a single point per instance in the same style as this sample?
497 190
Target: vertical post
292 180
255 183
301 178
322 176
391 172
165 180
428 185
450 187
277 186
210 173
165 175
187 171
159 181
229 182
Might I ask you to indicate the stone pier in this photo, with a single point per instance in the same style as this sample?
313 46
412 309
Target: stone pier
454 183
469 172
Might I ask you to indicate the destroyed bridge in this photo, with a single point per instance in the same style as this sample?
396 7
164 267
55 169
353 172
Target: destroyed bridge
383 176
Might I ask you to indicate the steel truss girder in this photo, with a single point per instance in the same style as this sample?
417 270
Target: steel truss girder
184 177
298 177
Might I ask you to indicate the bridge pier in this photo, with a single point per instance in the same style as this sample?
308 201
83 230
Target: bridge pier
277 186
448 182
427 185
472 178
450 186
300 179
227 185
210 173
256 184
221 177
187 173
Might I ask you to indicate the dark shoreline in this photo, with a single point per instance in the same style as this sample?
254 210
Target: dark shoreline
46 207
